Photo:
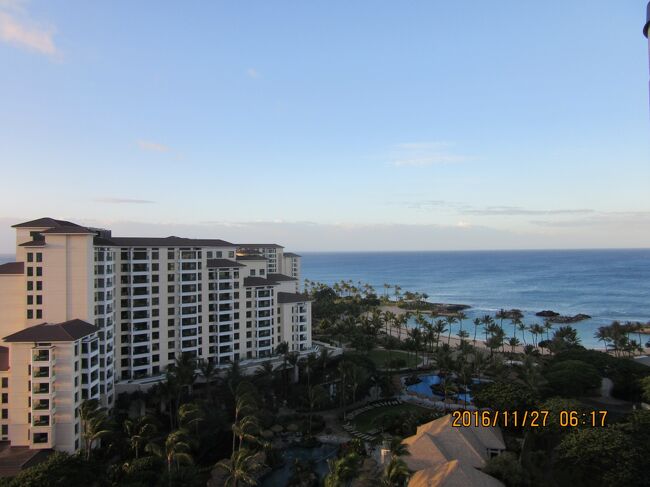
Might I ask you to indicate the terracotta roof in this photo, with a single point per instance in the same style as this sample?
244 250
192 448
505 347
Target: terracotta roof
291 254
45 222
438 442
281 277
12 268
258 281
251 257
292 298
223 263
33 243
67 331
452 474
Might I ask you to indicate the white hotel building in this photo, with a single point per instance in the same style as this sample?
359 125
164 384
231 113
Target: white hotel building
83 313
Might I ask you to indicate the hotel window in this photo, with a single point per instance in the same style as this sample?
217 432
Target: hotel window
5 398
30 314
5 382
5 414
30 285
252 272
39 299
39 285
231 254
39 271
30 300
30 271
39 314
30 257
219 254
5 430
39 257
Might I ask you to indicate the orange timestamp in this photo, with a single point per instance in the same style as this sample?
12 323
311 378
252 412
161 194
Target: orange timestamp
528 419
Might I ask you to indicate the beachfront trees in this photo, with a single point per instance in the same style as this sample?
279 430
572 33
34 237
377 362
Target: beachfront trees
139 433
476 323
241 468
450 320
316 396
513 342
94 424
439 328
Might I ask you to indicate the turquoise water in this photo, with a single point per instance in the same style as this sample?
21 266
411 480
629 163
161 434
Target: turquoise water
280 477
426 381
605 284
424 387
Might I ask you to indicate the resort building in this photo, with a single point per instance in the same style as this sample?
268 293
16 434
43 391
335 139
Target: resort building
85 313
441 454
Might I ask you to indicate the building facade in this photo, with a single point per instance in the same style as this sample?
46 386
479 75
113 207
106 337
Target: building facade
135 305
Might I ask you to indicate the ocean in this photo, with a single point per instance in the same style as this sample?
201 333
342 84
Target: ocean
604 284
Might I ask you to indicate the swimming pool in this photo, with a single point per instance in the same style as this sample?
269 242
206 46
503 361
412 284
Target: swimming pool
319 455
424 387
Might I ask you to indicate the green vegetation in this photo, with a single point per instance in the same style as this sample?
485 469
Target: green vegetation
384 359
224 427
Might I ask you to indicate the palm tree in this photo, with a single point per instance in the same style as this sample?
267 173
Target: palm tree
283 349
439 328
177 450
324 358
397 448
476 323
460 316
513 342
450 321
522 328
209 373
240 468
315 397
190 415
395 473
246 429
245 403
139 432
94 424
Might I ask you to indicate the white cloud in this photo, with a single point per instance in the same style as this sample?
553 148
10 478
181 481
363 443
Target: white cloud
424 154
151 146
252 73
16 28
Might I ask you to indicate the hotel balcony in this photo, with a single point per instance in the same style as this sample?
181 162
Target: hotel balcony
41 421
43 405
43 391
43 356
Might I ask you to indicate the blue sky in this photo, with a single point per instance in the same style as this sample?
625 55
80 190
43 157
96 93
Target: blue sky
330 125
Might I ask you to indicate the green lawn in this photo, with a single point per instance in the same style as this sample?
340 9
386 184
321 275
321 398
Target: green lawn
381 357
367 421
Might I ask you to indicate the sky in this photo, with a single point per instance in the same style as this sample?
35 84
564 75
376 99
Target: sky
330 125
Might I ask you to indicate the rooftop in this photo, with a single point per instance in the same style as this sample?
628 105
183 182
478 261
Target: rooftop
12 268
259 246
438 442
284 298
171 241
452 474
258 281
251 257
291 254
281 277
223 263
45 222
68 331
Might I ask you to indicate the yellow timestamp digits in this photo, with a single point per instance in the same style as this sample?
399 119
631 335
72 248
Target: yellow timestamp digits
527 419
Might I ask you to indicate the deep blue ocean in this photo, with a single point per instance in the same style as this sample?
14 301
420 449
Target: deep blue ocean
604 284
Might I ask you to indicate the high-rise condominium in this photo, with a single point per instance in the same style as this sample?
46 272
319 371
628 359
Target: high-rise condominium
84 313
